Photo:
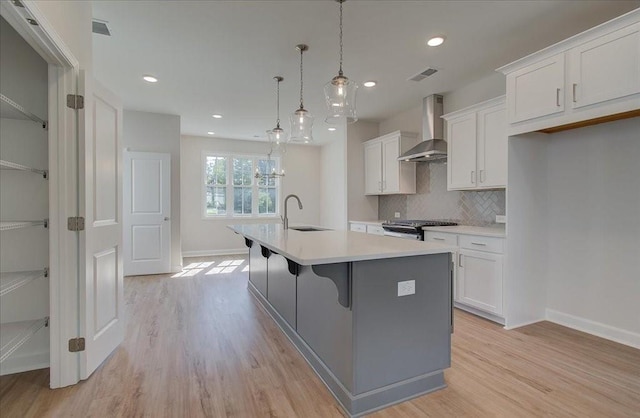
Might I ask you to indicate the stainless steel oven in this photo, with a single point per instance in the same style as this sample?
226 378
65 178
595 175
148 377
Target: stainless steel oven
411 229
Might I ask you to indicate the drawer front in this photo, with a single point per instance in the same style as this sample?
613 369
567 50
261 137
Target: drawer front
441 237
358 227
478 243
375 230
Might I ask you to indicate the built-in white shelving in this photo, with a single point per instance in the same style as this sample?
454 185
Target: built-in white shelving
8 165
12 110
10 281
7 225
15 334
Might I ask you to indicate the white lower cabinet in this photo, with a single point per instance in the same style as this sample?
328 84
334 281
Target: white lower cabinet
478 272
480 279
355 227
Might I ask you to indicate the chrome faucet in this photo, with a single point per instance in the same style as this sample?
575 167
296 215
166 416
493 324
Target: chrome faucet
285 219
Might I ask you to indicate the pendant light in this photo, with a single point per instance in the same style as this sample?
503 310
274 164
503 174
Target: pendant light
340 92
277 136
301 119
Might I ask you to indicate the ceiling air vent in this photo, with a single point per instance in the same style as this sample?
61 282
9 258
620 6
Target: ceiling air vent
423 74
100 27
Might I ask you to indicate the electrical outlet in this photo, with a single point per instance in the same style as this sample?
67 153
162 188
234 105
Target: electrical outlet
397 214
407 288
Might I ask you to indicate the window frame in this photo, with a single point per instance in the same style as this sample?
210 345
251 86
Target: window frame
229 187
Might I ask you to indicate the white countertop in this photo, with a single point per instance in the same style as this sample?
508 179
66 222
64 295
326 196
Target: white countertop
485 231
325 247
376 222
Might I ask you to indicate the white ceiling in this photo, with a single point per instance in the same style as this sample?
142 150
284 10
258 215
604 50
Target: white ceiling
221 56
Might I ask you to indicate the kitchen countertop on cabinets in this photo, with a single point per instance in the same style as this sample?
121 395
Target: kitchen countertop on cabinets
326 247
497 231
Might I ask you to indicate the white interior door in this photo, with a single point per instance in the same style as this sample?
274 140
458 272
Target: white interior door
100 279
147 213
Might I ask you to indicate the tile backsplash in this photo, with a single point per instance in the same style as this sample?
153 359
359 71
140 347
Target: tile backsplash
433 201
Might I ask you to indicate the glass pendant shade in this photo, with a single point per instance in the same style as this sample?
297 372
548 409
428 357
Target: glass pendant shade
277 140
301 126
340 95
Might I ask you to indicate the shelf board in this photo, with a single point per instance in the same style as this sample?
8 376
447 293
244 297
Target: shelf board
8 165
7 225
12 110
13 280
15 334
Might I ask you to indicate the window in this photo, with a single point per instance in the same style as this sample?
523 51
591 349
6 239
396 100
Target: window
247 195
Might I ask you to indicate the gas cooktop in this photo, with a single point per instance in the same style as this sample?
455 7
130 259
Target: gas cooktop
419 223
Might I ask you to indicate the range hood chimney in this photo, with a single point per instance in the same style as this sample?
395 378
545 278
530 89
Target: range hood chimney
433 147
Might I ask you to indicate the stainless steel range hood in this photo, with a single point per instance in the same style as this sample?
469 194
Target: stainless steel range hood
433 147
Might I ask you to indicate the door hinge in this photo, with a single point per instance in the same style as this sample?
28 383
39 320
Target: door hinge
75 223
76 344
75 101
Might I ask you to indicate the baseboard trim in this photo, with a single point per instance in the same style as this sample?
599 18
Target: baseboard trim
211 253
509 326
478 312
23 363
598 329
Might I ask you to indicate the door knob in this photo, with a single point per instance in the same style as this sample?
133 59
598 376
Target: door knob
166 218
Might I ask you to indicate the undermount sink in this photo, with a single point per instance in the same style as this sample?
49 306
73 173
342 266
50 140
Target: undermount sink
307 228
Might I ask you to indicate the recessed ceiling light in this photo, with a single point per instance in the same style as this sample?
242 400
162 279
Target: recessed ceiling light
211 133
369 83
149 79
436 41
331 129
217 116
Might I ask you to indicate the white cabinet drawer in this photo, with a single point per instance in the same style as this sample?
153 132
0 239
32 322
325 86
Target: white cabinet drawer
375 230
489 244
358 227
441 237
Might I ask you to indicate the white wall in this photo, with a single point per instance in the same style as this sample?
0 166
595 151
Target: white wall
527 213
211 236
486 88
154 132
594 229
333 181
359 206
72 22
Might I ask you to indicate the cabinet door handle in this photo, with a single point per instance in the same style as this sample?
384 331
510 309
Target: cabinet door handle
482 176
460 260
558 97
574 92
482 244
473 176
438 239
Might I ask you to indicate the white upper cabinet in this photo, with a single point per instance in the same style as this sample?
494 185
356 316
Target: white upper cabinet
373 168
589 78
606 68
384 174
536 90
461 161
477 146
492 146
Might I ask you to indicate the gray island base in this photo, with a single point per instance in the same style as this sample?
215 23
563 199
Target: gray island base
371 347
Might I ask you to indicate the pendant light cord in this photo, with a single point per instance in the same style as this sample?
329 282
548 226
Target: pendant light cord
301 81
277 104
340 72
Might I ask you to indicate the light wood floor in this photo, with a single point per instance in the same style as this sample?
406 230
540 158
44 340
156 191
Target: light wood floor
199 346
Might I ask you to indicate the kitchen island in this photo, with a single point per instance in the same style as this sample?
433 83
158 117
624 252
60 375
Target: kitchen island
372 315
